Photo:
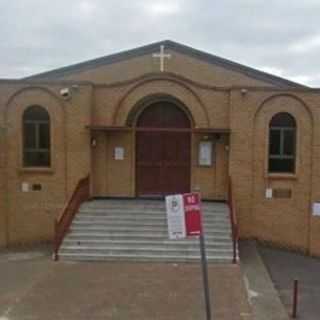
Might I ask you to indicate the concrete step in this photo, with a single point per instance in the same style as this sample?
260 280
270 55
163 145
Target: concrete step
139 223
140 229
109 204
81 235
145 249
149 204
135 242
142 212
141 216
168 258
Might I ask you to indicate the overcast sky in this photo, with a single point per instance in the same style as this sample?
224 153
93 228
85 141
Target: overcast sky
277 36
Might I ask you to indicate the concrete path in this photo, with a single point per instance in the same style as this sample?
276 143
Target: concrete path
263 297
33 287
286 266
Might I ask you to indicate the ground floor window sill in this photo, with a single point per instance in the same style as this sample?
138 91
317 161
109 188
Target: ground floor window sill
281 176
37 170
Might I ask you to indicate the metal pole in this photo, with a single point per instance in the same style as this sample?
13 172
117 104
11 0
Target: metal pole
295 299
55 244
234 244
205 276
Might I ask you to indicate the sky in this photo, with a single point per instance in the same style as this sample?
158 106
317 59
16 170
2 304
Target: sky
281 37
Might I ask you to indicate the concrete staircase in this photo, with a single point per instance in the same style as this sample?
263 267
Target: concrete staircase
137 230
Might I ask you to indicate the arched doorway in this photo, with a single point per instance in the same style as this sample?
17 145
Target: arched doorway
163 150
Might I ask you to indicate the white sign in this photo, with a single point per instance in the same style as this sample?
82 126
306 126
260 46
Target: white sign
205 153
175 217
316 209
119 153
269 193
25 187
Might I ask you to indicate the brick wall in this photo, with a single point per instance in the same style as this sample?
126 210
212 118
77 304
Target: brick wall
283 221
29 215
210 96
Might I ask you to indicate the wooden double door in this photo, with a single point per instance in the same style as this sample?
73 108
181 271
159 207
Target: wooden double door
163 152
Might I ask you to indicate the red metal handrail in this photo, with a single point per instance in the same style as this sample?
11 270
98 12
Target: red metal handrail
233 220
63 222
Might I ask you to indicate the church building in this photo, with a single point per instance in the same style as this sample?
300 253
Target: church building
162 119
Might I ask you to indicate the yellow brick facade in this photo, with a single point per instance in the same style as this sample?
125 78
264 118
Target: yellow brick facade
110 95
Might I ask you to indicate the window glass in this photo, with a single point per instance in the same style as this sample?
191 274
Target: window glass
36 113
29 135
283 119
281 165
44 136
289 142
274 142
36 137
282 143
36 158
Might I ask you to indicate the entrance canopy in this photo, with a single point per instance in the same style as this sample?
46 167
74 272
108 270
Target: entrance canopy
133 129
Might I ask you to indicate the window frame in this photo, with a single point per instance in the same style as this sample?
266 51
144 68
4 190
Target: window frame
36 124
282 155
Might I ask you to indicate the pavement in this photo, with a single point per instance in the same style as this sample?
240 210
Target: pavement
263 296
33 287
284 267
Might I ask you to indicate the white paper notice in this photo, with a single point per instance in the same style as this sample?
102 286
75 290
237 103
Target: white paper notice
316 209
119 153
205 153
25 187
175 217
269 193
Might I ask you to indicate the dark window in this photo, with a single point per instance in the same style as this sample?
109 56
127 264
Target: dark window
36 137
282 143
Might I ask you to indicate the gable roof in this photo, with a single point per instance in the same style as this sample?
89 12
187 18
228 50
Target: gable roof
180 48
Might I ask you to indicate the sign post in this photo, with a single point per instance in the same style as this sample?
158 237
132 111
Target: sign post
194 228
184 219
205 276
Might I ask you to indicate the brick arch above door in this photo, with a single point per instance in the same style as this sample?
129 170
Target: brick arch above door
164 87
146 102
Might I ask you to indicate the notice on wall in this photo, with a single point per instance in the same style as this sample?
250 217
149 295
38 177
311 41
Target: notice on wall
25 187
205 153
118 153
316 209
175 217
269 193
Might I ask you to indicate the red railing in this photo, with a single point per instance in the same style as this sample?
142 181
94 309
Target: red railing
233 220
63 222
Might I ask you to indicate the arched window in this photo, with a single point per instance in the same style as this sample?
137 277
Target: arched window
36 137
282 143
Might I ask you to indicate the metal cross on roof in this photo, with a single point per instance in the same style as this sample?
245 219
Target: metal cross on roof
162 56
